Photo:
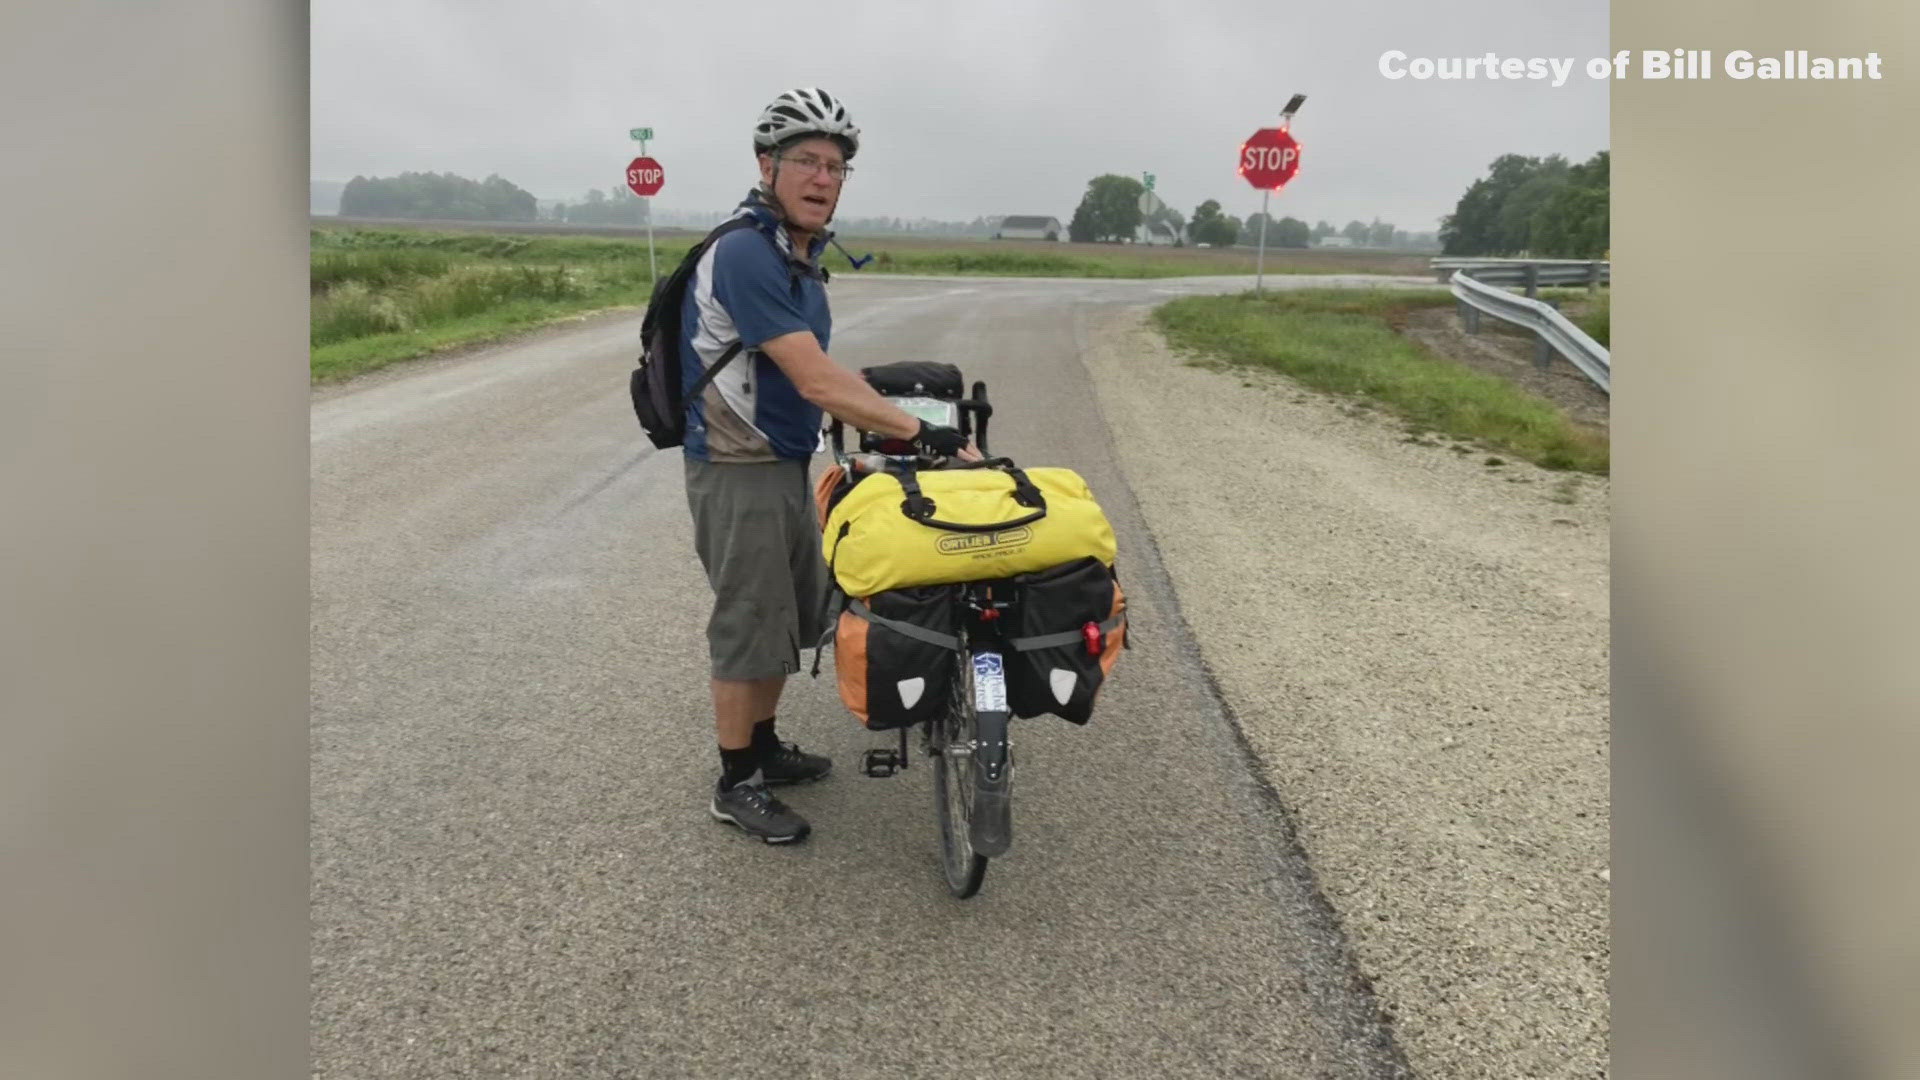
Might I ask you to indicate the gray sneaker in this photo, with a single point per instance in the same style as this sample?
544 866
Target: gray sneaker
792 765
749 805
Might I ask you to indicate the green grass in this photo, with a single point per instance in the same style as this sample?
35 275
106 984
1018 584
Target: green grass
355 356
1596 318
1344 342
379 296
1594 314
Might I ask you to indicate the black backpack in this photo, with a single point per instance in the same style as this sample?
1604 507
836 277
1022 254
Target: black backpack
658 399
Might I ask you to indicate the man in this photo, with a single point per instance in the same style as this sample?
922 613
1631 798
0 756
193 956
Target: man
751 436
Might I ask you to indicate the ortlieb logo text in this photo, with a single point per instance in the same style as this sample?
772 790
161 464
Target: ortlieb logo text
982 543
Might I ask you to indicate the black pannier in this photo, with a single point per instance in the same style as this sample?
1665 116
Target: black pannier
891 673
1067 631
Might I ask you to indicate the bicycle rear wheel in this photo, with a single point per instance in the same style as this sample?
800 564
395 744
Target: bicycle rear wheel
951 742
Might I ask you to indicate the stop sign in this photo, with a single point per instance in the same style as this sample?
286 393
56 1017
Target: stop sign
1269 158
645 176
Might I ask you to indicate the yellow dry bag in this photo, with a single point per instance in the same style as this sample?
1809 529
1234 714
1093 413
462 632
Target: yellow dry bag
894 530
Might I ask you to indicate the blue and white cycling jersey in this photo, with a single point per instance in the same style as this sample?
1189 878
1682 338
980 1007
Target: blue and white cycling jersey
750 287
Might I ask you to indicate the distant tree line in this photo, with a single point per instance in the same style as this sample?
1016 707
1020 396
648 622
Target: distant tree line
1543 207
1110 211
980 226
436 197
614 206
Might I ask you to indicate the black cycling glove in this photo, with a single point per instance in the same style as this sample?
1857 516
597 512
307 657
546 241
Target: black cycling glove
935 440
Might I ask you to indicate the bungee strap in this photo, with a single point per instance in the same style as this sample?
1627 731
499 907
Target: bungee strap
1066 637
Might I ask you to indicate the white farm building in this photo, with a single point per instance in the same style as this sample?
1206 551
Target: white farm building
1028 227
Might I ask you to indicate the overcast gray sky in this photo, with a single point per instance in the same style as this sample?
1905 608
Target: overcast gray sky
966 109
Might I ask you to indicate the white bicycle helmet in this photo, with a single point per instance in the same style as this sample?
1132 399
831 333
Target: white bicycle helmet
801 112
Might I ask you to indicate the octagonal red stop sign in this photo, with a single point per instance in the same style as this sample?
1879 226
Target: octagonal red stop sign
645 176
1269 158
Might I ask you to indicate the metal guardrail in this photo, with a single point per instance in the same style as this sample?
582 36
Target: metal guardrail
1531 273
1551 331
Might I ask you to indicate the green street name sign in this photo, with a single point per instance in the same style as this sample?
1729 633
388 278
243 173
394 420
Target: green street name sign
1149 177
642 134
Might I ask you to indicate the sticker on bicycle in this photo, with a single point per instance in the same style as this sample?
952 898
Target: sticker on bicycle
989 683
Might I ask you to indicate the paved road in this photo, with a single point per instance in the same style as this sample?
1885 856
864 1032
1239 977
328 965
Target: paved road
513 870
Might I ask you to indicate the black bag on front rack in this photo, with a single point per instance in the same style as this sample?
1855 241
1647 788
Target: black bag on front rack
889 678
916 378
1068 628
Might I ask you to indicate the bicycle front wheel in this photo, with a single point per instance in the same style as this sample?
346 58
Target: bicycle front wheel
951 744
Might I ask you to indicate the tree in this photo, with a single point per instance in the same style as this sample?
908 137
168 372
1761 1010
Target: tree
435 196
1110 210
1574 223
1208 226
1380 234
1544 207
1356 231
1291 233
1080 229
1323 229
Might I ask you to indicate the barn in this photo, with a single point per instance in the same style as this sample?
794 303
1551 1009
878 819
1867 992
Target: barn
1028 227
1158 232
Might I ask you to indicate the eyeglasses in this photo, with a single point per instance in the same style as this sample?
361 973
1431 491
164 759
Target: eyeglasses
813 164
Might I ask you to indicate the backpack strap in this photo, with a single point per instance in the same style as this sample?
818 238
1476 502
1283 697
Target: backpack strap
676 290
706 377
673 286
795 273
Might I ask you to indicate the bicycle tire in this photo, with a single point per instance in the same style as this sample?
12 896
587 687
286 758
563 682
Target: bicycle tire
952 735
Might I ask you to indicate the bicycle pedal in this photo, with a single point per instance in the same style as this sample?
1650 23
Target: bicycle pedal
881 762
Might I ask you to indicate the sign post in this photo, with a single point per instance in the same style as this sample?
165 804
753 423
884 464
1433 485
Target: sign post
1149 205
1268 160
645 177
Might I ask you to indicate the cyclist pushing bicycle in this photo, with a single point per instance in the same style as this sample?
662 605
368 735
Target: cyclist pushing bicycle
754 328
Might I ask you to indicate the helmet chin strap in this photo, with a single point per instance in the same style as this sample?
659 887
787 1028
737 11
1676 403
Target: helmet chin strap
773 200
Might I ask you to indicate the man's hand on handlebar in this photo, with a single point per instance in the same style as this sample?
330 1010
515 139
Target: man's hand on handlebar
935 440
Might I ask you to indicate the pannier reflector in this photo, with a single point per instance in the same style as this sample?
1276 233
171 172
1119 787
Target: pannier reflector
910 691
1062 680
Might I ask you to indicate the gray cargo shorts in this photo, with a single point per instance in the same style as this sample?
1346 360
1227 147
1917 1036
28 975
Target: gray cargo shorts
754 527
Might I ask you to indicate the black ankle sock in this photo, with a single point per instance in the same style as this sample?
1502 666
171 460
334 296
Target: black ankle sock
763 736
738 765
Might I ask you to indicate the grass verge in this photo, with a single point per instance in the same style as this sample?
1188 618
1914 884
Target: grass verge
384 295
1344 342
1596 318
381 294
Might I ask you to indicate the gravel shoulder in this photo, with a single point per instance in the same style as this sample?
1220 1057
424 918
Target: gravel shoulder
1415 644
